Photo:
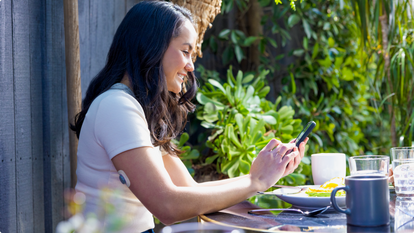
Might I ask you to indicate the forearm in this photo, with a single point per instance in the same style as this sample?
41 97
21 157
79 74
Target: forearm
186 202
219 182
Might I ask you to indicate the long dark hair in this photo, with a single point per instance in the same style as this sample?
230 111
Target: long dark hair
138 47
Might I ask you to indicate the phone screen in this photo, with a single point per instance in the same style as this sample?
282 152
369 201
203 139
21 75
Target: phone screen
301 137
305 132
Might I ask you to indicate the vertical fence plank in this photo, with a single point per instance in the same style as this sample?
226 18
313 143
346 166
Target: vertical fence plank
84 44
7 142
52 115
57 121
46 96
21 69
100 32
66 168
130 4
119 13
37 59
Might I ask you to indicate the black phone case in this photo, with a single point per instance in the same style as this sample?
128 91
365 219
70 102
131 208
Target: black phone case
303 134
309 129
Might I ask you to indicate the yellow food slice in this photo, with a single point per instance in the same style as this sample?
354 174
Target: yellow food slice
326 189
333 183
319 190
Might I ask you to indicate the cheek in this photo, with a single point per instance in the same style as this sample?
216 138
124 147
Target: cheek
173 62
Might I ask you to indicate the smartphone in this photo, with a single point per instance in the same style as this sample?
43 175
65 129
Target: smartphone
301 137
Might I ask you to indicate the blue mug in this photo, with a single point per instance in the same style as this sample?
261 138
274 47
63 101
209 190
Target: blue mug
367 200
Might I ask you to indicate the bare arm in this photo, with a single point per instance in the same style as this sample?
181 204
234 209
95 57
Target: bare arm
170 202
181 177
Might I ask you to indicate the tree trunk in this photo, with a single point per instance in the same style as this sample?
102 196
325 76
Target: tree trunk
73 81
254 28
384 26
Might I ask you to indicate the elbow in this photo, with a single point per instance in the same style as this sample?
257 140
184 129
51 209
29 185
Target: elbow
171 214
167 218
166 221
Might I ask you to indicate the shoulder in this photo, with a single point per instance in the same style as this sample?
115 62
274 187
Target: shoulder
117 100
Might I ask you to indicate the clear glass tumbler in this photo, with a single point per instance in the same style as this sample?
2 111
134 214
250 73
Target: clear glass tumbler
403 169
403 217
369 165
404 177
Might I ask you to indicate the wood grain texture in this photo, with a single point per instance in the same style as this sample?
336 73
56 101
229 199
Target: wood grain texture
100 31
119 14
53 116
84 45
99 21
7 137
46 96
34 144
130 3
22 109
73 87
37 65
59 115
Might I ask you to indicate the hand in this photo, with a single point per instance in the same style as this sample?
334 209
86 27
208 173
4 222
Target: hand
269 166
294 164
391 176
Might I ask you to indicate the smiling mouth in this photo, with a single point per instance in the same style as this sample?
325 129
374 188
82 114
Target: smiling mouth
181 77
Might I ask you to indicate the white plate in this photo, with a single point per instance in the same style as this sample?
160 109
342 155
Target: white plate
303 200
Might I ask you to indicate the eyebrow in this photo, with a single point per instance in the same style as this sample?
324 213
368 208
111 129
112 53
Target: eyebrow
191 47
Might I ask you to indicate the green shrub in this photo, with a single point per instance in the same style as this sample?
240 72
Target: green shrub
242 122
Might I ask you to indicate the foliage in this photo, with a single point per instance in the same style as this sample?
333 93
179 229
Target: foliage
334 84
189 154
386 33
329 81
243 122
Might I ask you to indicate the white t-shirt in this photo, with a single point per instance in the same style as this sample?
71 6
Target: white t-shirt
114 123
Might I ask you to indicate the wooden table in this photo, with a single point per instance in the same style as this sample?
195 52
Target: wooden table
401 220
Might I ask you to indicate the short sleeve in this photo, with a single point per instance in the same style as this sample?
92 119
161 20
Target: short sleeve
120 125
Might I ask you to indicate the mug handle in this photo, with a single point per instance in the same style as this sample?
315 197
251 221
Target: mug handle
333 200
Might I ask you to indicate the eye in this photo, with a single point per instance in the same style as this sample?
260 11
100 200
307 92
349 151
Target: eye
185 52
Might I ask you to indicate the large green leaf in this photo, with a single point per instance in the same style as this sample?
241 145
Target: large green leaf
293 19
202 99
244 166
183 139
217 84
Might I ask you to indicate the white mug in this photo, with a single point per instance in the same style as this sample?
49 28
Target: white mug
326 166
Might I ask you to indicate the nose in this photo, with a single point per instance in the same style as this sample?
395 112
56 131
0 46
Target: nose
189 67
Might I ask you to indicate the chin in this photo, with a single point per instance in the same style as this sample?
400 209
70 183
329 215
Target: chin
176 90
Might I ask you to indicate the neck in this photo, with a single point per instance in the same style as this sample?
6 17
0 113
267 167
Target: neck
125 80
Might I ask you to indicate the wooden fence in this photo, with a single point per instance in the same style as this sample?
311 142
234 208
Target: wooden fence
34 153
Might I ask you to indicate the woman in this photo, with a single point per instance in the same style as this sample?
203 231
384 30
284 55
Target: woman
132 110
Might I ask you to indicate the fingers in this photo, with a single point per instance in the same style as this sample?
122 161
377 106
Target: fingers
391 180
391 176
282 149
272 144
291 161
302 147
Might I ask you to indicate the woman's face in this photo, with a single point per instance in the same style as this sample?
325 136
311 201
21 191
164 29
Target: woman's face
177 59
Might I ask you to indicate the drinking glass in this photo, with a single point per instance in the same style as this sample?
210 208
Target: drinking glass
403 169
402 153
369 165
403 217
404 177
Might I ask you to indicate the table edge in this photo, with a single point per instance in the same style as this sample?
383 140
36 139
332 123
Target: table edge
207 219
